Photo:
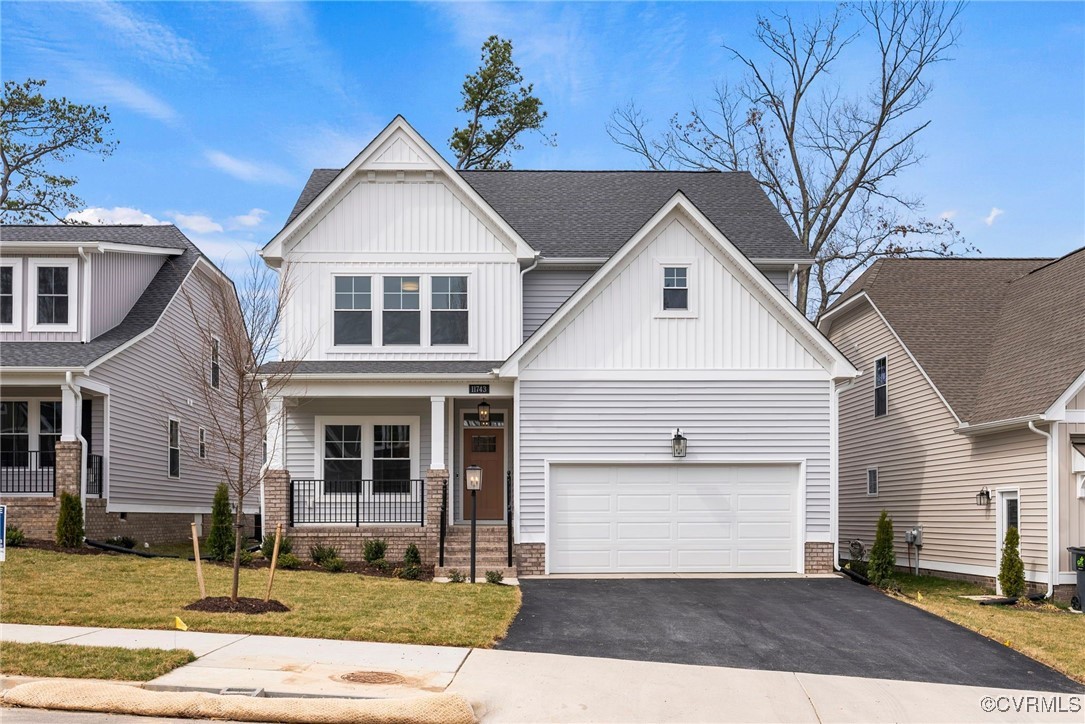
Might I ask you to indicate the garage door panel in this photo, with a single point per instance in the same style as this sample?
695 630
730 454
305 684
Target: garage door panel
660 518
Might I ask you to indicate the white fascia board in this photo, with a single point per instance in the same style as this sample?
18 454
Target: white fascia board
566 262
420 388
35 376
138 249
999 425
824 323
665 375
272 251
775 263
787 313
53 247
1057 411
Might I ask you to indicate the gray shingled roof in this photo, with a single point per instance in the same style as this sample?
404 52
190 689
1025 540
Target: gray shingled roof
592 213
1000 338
381 367
144 313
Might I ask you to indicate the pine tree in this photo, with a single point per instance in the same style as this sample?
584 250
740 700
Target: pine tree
882 557
220 541
1011 572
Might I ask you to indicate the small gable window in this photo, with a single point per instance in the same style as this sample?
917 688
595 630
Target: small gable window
881 387
448 311
353 310
402 317
676 287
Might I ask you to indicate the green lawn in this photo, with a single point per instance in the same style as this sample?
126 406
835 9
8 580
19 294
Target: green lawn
41 587
1046 633
89 662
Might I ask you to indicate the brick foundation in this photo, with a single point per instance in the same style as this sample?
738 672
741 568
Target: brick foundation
350 540
819 557
530 558
153 528
37 516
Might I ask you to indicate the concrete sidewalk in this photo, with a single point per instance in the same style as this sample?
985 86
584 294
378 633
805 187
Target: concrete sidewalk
512 686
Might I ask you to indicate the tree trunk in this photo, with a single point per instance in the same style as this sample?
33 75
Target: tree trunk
238 530
802 290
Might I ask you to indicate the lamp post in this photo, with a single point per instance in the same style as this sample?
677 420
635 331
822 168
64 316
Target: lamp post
474 482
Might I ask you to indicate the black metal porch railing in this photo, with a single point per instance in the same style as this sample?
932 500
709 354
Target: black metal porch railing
94 476
27 472
357 502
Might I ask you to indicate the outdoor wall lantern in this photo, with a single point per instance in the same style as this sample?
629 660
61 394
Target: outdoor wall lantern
983 498
484 413
678 444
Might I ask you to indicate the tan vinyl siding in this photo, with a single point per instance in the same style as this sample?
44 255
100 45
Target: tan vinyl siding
928 474
1071 508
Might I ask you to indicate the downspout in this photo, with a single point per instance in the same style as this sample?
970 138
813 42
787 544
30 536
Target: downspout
523 273
77 417
1052 522
792 280
84 312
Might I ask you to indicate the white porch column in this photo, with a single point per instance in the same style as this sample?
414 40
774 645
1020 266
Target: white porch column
437 433
276 440
69 413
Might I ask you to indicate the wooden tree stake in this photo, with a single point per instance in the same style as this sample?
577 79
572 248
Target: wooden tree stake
274 559
199 564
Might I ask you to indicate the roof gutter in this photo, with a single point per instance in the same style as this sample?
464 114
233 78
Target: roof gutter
1052 500
999 425
84 312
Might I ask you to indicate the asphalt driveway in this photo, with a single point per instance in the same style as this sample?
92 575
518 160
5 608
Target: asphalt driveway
820 626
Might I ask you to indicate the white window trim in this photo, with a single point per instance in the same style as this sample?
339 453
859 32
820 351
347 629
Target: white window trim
372 312
33 264
886 386
214 359
693 286
33 417
425 306
169 447
202 442
17 294
877 482
367 423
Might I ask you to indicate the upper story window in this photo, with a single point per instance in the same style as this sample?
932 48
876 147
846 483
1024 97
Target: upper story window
448 311
353 310
881 389
676 287
215 370
10 295
53 295
174 448
401 319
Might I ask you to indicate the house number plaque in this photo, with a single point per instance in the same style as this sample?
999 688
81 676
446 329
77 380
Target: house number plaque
478 389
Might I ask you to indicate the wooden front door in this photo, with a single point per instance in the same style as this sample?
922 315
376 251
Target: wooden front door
485 447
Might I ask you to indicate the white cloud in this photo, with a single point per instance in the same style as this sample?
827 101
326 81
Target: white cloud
995 213
113 88
196 223
948 215
150 40
116 215
249 220
327 147
251 171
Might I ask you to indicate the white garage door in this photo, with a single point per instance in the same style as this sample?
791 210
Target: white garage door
693 518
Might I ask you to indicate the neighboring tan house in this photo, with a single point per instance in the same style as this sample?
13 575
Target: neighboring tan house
973 390
94 395
566 332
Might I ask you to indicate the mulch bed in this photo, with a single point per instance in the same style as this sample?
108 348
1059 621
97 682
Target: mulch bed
223 604
48 545
358 567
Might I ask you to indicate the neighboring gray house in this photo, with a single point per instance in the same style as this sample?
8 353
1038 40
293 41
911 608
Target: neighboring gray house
565 332
94 396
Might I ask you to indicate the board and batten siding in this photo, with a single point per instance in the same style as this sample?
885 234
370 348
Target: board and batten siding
149 382
724 420
1071 507
116 283
26 287
301 442
547 289
928 474
621 328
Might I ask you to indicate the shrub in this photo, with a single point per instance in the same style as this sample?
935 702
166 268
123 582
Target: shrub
288 561
14 536
267 546
409 572
1011 572
455 576
882 558
321 553
494 577
70 522
381 565
334 564
245 558
220 541
124 541
374 550
412 557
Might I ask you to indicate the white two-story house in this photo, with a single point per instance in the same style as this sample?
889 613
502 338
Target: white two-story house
615 353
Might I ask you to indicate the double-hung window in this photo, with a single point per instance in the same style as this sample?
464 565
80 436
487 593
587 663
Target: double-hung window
49 427
676 288
881 390
401 319
14 434
203 444
52 294
353 310
391 458
342 458
174 448
448 311
11 295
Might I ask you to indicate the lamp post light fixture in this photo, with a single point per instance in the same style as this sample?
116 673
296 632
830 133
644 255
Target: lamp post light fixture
484 413
983 497
474 483
678 444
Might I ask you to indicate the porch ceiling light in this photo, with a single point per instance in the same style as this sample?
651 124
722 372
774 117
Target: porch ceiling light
678 444
484 413
474 477
983 497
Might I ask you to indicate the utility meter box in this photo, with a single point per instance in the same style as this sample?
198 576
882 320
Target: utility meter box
914 536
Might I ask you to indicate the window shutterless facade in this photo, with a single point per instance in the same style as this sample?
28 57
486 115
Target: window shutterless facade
342 458
353 310
872 481
174 463
401 318
676 287
391 459
52 294
7 296
881 387
448 311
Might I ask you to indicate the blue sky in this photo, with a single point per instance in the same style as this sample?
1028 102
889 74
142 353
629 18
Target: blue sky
223 108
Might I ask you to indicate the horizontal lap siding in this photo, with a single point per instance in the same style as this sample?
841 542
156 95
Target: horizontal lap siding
780 280
736 420
545 290
928 474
